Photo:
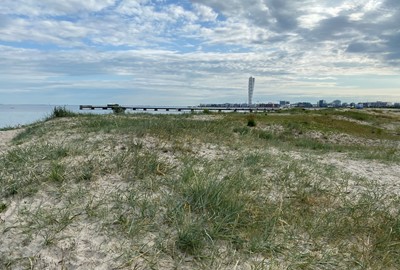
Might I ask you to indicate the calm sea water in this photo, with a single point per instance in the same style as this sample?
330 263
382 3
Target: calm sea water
14 115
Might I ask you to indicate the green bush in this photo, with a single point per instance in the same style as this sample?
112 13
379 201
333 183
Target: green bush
251 120
59 111
118 109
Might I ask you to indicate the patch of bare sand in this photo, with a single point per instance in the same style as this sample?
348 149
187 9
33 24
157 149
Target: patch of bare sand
394 126
79 245
387 176
6 137
345 139
339 117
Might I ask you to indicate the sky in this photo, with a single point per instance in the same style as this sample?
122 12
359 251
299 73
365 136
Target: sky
187 52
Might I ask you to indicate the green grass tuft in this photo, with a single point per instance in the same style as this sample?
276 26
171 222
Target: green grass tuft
3 207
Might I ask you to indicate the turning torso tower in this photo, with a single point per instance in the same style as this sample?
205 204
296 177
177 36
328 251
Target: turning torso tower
251 90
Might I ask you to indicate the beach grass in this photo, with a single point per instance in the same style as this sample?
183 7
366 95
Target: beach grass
292 190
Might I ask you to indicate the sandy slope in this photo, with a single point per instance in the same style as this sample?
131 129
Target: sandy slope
6 137
81 246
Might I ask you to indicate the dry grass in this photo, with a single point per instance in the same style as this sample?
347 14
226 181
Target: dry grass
301 190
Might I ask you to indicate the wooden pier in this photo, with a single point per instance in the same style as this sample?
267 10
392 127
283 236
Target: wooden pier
117 107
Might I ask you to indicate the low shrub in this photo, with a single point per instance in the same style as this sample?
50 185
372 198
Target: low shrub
59 111
251 120
118 110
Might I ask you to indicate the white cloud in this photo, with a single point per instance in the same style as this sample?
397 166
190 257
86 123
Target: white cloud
205 13
169 47
53 8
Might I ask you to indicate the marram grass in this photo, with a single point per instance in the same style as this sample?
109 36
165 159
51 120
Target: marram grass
298 190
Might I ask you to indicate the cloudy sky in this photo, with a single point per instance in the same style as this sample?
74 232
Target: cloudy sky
186 52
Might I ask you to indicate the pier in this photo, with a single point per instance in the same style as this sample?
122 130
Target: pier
117 107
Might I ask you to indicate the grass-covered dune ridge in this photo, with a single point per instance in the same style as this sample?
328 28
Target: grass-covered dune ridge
294 190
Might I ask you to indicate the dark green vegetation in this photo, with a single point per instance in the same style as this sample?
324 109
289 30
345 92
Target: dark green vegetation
208 191
251 120
61 112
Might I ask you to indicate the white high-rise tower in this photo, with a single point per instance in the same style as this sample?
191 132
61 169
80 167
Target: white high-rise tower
251 90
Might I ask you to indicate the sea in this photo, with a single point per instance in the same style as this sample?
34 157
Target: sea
14 115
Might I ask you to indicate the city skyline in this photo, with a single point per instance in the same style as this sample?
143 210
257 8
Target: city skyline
321 104
181 52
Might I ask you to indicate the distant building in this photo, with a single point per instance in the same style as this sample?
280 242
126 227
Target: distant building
381 104
303 105
336 103
322 103
267 105
251 90
373 104
284 103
